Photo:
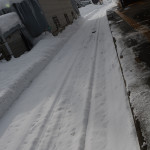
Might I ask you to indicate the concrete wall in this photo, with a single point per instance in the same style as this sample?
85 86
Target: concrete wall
57 8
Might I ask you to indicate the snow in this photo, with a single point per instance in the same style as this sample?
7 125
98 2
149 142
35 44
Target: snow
8 21
79 100
137 79
88 9
17 74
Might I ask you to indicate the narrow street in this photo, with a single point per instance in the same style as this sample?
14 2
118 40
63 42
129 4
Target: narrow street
78 102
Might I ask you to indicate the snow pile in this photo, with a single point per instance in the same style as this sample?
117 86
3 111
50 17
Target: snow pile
17 74
8 21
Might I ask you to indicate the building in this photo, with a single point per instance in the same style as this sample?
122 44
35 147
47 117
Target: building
58 13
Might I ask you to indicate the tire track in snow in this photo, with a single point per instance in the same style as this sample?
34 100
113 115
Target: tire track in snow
35 125
89 95
42 132
49 114
64 103
83 53
96 135
61 115
46 114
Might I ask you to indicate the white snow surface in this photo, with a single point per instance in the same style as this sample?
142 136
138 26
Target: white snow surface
78 102
137 77
88 9
17 74
8 21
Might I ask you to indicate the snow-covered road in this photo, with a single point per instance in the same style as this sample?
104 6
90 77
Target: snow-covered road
78 102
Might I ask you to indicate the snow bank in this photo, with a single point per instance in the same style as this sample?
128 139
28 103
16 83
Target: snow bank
8 21
17 74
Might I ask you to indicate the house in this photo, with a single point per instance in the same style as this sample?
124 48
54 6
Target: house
59 13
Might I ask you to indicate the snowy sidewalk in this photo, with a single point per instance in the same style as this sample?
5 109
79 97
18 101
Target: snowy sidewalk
78 102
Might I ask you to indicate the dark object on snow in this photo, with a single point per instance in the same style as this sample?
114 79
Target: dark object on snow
12 43
95 1
32 17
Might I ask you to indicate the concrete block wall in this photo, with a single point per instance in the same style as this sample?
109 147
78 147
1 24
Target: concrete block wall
57 8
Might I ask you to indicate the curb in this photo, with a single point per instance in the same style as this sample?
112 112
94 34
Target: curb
140 137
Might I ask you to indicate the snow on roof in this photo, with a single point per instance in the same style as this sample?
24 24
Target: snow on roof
8 21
